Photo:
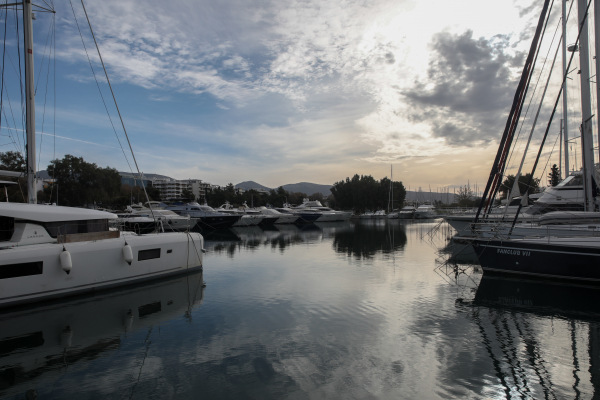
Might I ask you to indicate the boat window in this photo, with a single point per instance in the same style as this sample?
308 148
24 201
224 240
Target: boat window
7 228
70 227
148 254
573 180
21 269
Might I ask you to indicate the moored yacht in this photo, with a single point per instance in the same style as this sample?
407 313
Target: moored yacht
281 217
52 251
330 214
425 211
407 212
207 216
304 216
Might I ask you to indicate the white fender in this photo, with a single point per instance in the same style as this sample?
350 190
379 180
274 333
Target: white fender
127 254
65 261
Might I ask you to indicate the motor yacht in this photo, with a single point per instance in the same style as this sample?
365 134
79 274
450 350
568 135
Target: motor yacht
304 216
52 251
425 211
247 218
169 220
208 218
330 214
281 217
407 212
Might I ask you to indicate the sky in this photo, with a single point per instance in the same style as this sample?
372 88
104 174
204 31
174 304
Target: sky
278 92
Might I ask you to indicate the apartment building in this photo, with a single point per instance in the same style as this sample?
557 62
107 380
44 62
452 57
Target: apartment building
172 189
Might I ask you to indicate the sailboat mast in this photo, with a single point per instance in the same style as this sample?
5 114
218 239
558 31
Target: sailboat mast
392 187
587 140
564 93
597 46
29 101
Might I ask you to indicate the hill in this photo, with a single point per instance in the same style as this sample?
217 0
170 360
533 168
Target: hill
303 187
247 185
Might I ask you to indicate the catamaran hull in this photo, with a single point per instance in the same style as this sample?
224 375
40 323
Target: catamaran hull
37 272
544 260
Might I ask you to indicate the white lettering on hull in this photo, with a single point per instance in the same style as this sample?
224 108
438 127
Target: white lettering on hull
512 252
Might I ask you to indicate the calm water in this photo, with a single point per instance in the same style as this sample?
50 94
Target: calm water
371 309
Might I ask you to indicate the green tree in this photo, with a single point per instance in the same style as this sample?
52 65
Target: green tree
188 194
364 192
14 161
553 177
523 179
82 183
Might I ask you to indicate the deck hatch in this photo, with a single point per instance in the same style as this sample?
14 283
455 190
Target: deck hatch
148 254
21 269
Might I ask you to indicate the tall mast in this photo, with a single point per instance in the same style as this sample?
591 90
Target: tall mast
29 102
587 140
392 174
564 94
597 45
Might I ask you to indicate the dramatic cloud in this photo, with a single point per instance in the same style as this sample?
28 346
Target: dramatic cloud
469 87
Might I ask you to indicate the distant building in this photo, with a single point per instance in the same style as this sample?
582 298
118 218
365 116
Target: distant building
172 189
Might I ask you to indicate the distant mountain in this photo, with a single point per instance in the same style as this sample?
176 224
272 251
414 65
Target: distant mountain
308 188
302 187
247 185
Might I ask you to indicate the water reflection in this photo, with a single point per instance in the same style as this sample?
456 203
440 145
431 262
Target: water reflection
354 238
541 337
41 343
311 312
371 237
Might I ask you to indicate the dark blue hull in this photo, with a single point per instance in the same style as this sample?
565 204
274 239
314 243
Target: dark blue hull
543 260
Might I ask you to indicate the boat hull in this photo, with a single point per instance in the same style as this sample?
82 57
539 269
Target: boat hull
217 221
96 265
542 258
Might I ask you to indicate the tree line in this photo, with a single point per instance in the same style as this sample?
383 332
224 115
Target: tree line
361 193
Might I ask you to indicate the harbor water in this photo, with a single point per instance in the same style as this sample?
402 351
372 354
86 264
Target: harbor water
364 309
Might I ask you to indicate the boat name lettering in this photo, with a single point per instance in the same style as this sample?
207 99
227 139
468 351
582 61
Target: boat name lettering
514 252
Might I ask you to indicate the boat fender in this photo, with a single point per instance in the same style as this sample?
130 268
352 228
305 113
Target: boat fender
127 253
65 261
66 337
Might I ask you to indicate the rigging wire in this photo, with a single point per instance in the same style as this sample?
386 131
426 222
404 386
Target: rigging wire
21 82
583 23
99 90
508 163
45 101
43 58
118 111
2 86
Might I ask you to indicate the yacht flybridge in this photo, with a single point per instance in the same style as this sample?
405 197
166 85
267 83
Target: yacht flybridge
53 251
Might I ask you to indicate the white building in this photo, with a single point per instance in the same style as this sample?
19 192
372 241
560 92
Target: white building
171 189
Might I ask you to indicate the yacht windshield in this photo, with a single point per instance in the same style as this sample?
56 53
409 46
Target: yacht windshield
573 180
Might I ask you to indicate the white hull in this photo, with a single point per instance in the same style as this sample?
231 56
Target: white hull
520 232
96 265
463 222
249 220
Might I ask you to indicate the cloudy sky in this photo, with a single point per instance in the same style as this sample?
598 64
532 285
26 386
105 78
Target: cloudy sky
281 92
